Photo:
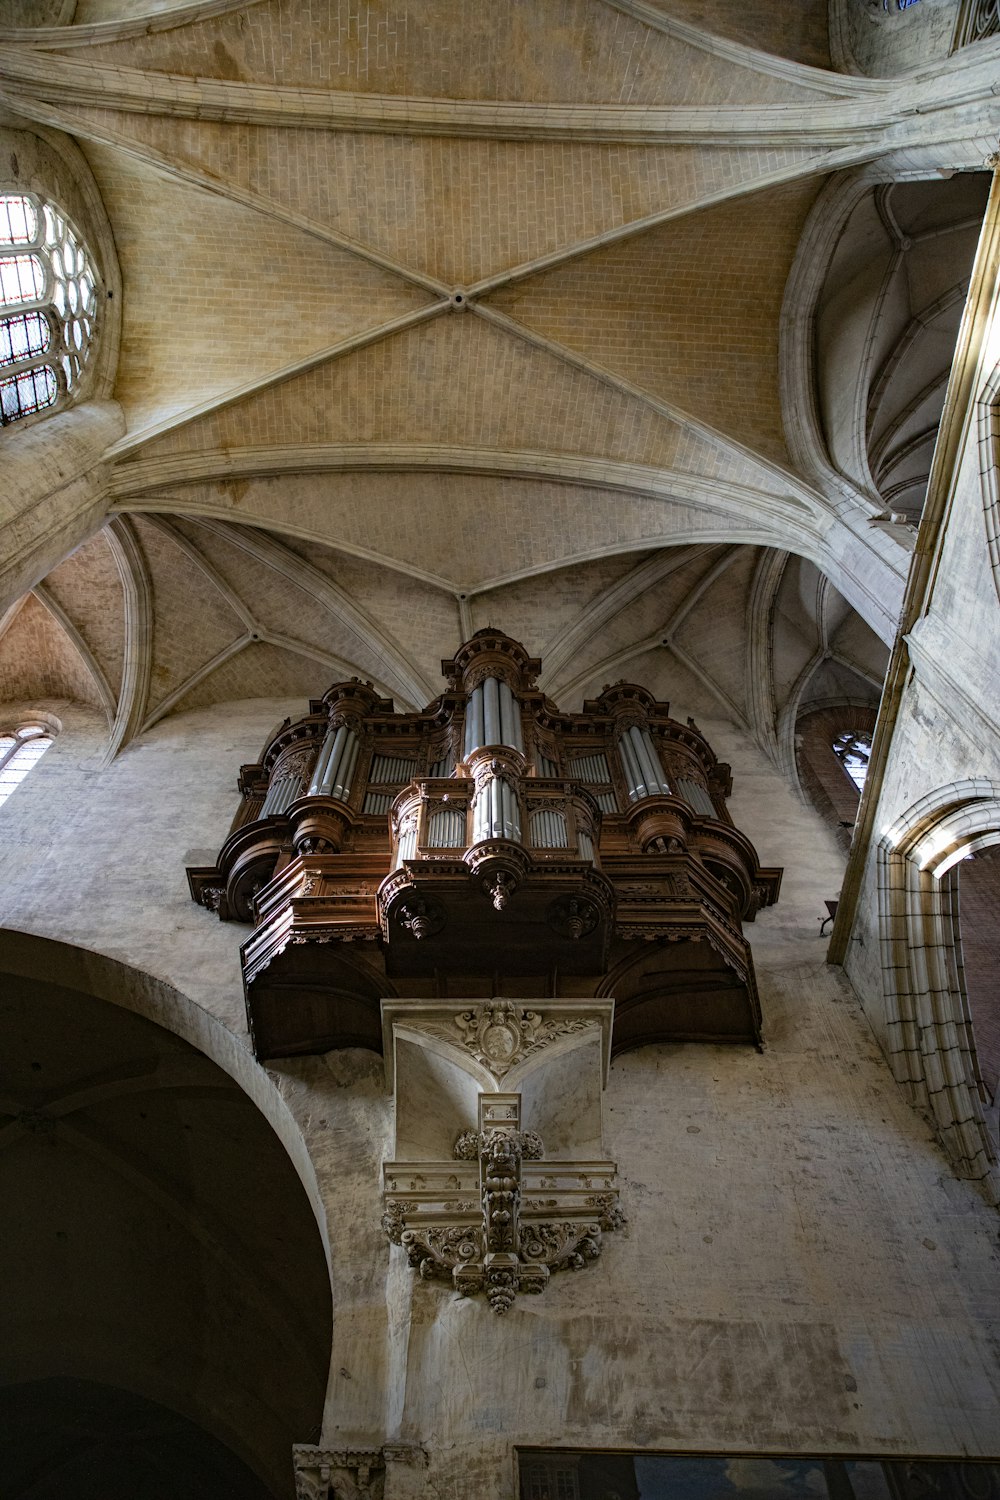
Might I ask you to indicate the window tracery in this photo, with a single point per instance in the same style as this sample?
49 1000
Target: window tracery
48 306
853 749
20 750
977 20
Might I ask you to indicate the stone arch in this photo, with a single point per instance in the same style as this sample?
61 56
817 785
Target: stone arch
930 1042
152 1156
32 957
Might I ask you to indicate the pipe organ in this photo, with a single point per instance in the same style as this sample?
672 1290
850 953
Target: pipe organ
489 844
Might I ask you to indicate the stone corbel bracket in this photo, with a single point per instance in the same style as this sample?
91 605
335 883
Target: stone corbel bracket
473 1196
348 1473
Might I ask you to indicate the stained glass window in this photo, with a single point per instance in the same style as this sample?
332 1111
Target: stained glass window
20 749
52 284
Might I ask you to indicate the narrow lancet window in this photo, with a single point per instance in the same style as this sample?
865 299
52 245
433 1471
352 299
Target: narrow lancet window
853 750
20 749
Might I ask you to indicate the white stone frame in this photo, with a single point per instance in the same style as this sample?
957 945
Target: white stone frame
931 1046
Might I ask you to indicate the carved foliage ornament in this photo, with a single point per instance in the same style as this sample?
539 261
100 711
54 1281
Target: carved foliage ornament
344 1474
503 1254
297 764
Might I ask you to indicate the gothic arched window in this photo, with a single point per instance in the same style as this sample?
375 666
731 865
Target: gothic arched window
20 749
48 305
853 749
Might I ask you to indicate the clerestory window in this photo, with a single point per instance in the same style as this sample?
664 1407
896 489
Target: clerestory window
20 749
48 306
853 750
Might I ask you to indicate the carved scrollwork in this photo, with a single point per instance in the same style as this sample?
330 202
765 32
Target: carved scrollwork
394 1219
421 918
498 1255
559 1246
572 917
503 671
315 845
630 718
436 1252
339 1474
467 1146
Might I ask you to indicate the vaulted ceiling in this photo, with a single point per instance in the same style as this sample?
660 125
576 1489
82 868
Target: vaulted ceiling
605 321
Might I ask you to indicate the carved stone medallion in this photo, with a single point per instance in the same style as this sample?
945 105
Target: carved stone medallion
500 1034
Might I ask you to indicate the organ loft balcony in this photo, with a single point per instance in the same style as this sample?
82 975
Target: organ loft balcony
490 844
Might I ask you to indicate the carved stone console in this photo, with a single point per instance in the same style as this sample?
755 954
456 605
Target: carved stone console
349 1473
499 1177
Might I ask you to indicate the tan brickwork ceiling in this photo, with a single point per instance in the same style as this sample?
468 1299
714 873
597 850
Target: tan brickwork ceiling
463 210
87 587
798 32
39 661
437 316
545 50
687 311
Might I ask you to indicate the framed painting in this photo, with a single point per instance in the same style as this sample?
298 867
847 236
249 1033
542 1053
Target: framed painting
578 1474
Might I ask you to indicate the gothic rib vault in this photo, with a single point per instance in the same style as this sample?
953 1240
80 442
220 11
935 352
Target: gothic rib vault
380 347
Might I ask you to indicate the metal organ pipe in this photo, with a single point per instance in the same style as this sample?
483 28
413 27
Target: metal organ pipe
548 829
649 760
335 767
510 812
633 775
492 717
343 776
491 707
510 719
280 793
481 814
474 721
330 745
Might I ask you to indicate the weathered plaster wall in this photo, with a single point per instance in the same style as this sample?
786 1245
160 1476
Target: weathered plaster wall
884 41
800 1269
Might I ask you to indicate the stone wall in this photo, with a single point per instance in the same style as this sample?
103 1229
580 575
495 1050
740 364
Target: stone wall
883 40
800 1269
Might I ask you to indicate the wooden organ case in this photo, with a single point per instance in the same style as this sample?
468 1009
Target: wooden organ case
489 845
